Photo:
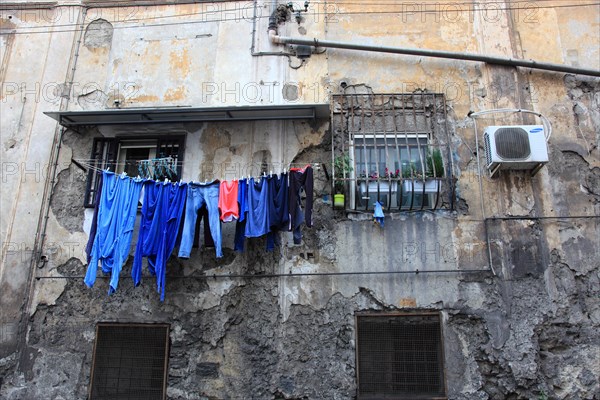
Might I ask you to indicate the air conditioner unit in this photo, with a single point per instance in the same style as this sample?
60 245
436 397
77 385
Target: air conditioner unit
518 147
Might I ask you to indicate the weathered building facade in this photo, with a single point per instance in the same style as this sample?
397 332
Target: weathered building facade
503 272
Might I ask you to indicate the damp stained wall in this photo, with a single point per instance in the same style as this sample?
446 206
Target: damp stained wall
33 72
530 329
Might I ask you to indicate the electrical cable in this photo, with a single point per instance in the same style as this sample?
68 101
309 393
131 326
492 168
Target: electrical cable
296 274
16 32
532 218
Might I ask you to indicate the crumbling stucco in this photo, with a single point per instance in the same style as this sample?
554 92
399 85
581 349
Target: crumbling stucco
531 332
94 99
98 34
68 198
242 345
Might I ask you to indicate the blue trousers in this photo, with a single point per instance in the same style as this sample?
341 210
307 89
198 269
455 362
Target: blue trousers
200 194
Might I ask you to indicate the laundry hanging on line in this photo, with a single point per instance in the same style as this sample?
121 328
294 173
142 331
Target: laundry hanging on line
201 194
158 168
115 222
161 216
269 204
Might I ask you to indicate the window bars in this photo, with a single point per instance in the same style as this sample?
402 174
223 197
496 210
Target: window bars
392 148
135 156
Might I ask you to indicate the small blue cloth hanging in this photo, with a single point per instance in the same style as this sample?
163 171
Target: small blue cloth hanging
378 214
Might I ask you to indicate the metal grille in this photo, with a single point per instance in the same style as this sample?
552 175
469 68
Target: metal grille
400 357
130 362
397 148
512 143
488 149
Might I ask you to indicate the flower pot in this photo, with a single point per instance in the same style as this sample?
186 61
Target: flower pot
383 188
385 192
339 200
417 185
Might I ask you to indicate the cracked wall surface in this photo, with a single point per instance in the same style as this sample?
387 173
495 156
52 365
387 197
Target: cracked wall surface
513 270
531 330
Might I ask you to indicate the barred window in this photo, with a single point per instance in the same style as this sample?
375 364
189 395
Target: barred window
400 357
392 149
133 155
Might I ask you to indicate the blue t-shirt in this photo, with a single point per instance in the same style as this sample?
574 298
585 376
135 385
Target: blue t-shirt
258 218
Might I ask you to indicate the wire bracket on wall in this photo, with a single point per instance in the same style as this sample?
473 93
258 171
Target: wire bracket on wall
298 12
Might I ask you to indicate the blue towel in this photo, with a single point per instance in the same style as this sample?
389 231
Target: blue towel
116 219
258 217
161 216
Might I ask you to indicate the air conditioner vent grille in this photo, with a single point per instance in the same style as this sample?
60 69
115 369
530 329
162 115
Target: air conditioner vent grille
512 143
488 148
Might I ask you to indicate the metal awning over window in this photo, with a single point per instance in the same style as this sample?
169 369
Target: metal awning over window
71 119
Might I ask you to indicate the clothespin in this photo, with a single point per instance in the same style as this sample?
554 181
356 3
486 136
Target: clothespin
271 172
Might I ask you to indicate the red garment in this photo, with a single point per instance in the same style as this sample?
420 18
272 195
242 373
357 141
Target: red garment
228 200
301 169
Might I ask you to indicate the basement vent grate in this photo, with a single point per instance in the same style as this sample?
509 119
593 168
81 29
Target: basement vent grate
130 362
400 357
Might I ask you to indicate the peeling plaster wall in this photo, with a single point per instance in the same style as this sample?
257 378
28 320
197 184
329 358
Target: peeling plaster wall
529 331
201 63
32 73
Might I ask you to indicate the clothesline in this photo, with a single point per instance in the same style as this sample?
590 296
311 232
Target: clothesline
92 161
91 164
261 206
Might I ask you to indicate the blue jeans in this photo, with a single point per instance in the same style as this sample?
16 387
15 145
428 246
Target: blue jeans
198 195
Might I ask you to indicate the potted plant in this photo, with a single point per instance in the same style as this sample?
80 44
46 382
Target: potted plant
424 183
434 164
342 166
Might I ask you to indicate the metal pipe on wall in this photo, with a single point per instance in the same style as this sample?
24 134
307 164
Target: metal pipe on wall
512 62
272 25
